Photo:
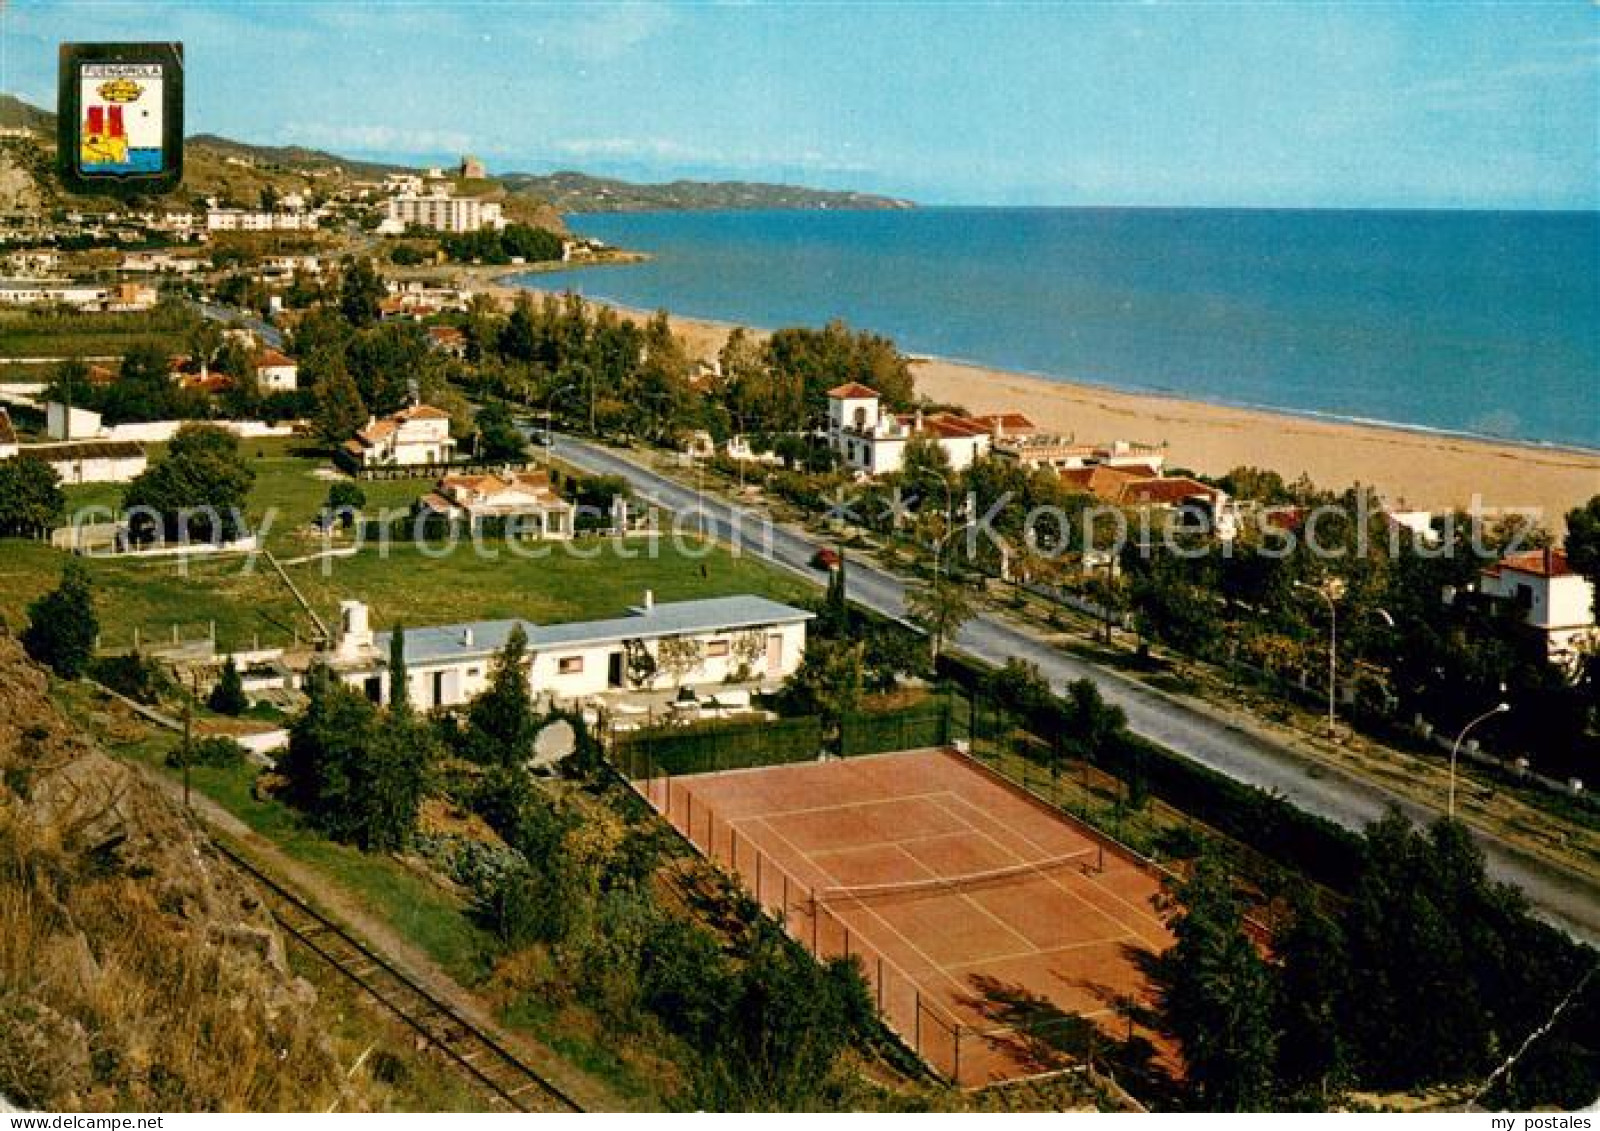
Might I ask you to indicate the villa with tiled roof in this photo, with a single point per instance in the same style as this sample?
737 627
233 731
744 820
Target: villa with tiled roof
413 437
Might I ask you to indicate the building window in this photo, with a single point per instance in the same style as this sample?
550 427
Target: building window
474 671
570 665
715 648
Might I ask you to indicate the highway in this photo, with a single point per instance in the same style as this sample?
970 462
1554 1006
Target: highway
1227 742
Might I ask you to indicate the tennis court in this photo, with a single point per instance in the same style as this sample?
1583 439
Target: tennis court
987 924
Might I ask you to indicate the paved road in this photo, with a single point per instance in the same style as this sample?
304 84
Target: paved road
233 316
1222 741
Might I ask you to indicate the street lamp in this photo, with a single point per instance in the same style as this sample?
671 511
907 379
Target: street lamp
1498 709
1326 593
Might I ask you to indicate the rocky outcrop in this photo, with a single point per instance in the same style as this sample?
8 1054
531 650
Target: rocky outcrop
138 969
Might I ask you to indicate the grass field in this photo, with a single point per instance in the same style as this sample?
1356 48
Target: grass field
250 602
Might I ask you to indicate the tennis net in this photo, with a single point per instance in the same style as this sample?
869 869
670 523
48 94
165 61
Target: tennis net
941 885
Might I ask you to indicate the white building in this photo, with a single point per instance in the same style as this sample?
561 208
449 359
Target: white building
413 437
275 372
1062 453
92 461
250 220
742 636
522 495
873 442
51 292
1554 599
439 211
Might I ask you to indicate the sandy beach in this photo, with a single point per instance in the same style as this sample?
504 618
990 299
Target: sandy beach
1410 469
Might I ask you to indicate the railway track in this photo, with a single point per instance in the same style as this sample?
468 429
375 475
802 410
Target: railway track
509 1083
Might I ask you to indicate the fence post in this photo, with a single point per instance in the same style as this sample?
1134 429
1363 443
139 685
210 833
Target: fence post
956 1075
880 985
916 1026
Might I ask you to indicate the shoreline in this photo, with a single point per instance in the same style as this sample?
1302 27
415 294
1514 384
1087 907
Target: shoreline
1411 466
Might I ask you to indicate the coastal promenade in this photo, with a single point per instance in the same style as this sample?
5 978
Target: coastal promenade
1229 742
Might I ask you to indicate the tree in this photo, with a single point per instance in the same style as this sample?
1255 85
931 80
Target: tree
498 437
340 409
360 291
1583 545
834 619
828 681
197 492
228 697
360 776
31 500
62 625
399 677
344 502
501 721
1215 995
678 656
939 607
640 663
1313 995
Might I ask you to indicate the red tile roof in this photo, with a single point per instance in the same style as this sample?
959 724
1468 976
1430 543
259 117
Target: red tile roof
1536 563
948 426
852 391
1014 423
8 434
271 359
421 412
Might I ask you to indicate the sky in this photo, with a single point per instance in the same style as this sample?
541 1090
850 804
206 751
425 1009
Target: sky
1433 105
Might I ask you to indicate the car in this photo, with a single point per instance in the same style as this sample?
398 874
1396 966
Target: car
826 559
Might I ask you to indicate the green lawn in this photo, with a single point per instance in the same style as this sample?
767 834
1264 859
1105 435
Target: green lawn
247 602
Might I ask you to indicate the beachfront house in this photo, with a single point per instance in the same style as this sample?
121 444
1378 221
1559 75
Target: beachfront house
654 646
417 436
1554 600
525 497
1033 450
873 442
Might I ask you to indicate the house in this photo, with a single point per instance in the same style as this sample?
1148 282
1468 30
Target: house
1061 453
413 437
1139 488
92 461
526 496
51 292
873 442
1554 599
8 436
275 372
448 340
447 666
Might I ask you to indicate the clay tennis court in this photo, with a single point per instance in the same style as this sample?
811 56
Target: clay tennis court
982 918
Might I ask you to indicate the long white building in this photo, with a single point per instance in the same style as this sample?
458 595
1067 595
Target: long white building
441 212
448 665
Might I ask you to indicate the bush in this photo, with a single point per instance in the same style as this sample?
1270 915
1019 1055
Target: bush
134 675
212 750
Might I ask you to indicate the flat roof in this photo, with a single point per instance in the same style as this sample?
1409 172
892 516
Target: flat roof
672 618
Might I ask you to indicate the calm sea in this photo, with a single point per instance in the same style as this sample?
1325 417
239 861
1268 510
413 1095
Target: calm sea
1476 322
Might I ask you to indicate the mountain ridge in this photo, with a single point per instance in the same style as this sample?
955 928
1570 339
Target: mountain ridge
558 192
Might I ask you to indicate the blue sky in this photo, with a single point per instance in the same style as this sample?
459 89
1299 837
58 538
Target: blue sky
1268 104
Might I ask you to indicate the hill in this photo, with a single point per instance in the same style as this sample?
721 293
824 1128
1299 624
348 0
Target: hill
579 192
224 167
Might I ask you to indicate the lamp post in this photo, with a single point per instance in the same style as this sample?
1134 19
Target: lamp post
1498 709
1326 593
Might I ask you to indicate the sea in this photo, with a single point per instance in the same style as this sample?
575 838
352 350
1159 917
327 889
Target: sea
1480 323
